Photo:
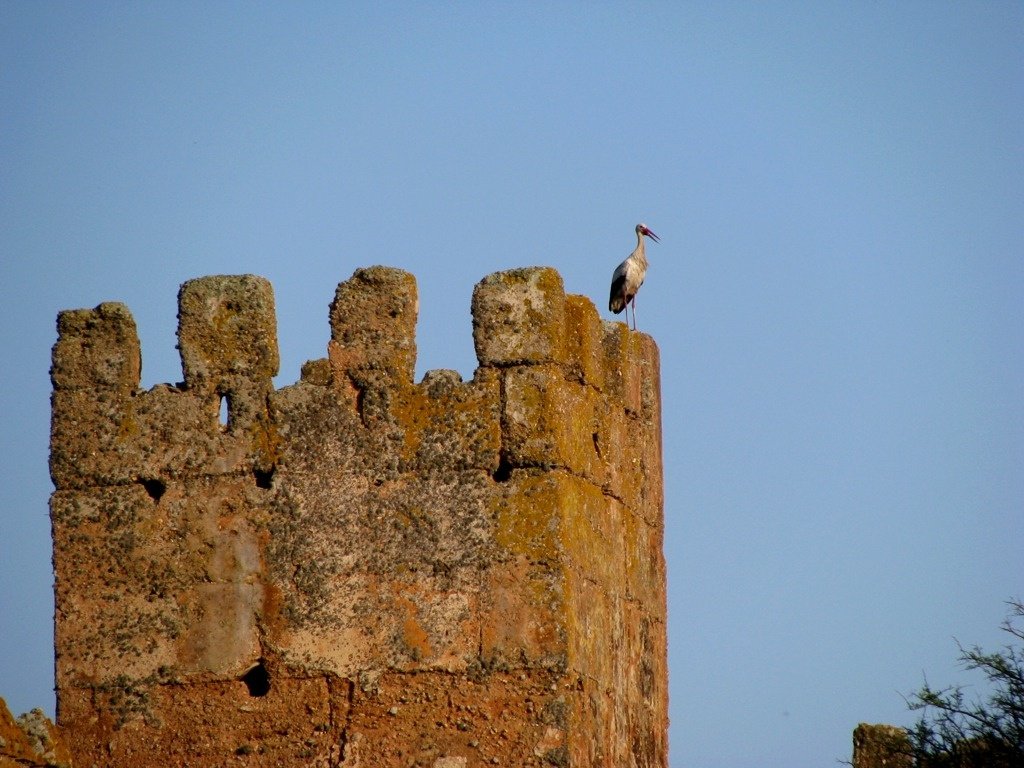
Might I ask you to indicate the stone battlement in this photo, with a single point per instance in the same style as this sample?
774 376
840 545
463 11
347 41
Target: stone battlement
358 569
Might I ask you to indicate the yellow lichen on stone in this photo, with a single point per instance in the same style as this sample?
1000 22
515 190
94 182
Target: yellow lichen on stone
528 518
267 443
585 337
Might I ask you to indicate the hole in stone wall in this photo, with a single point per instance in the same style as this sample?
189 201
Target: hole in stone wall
257 680
155 489
503 472
264 478
597 445
224 405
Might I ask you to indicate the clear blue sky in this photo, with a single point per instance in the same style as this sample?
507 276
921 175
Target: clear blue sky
838 292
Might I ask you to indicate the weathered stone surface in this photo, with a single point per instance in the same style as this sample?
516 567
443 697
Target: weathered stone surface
31 740
373 327
358 569
95 372
227 328
493 718
451 426
97 349
519 317
227 336
585 341
881 746
106 432
551 422
299 721
175 585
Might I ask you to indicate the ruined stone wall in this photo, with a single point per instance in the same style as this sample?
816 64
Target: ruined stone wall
359 570
881 746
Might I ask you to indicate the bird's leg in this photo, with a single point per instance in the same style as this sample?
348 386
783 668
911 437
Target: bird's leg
634 311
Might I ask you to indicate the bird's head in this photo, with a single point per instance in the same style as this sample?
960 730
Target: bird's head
641 229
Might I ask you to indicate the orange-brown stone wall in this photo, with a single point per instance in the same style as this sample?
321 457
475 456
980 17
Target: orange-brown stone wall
360 570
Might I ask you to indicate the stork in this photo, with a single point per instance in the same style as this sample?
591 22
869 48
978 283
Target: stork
629 276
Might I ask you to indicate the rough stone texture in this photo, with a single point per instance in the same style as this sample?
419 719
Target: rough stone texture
881 746
31 740
358 569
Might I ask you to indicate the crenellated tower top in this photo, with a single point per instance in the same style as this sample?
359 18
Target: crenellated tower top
361 569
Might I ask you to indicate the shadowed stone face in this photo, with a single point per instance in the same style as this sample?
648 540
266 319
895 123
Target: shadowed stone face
359 569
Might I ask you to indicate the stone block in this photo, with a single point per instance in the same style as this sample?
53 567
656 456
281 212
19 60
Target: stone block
519 317
87 438
95 372
97 349
298 721
615 348
523 616
550 422
631 369
116 597
591 729
447 721
394 568
644 558
321 433
222 638
644 687
227 327
647 367
565 539
409 625
618 445
373 328
585 341
558 518
227 336
593 619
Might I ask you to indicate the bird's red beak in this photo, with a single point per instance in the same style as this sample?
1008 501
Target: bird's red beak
651 235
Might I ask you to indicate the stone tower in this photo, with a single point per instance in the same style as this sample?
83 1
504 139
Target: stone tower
359 570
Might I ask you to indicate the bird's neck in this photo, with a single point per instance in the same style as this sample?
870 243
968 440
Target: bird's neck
638 252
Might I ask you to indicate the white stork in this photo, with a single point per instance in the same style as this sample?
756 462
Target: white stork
629 276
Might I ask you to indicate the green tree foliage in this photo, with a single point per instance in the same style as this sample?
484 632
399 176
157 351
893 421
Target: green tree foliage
957 732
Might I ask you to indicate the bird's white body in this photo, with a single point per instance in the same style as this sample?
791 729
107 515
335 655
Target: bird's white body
629 275
627 278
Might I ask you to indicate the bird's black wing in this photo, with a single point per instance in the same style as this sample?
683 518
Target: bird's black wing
617 298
